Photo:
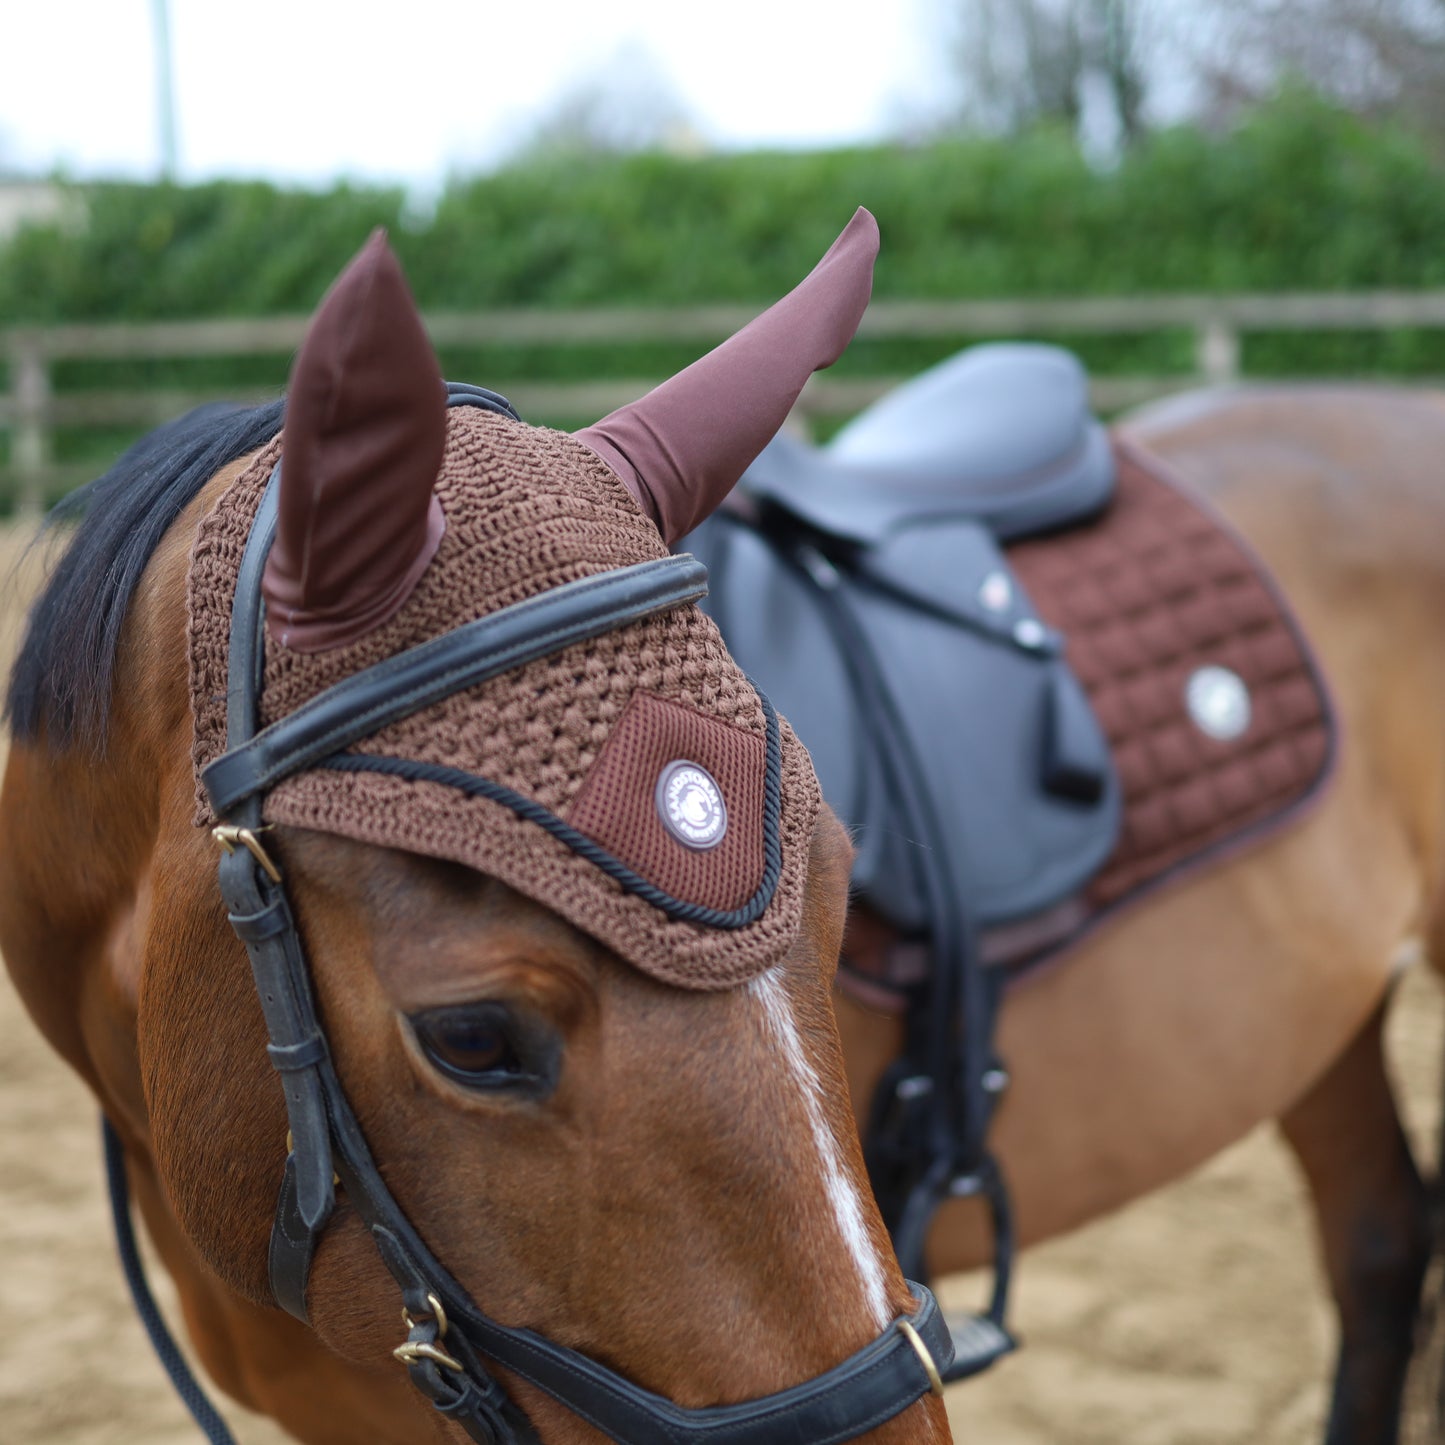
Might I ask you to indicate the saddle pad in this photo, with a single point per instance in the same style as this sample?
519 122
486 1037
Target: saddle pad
1152 592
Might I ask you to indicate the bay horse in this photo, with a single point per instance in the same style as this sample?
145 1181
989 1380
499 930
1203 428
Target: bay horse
1256 990
1249 992
540 942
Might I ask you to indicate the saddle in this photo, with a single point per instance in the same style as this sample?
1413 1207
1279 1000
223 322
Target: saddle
868 577
904 595
1000 435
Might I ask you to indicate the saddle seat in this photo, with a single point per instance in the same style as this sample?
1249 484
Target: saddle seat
1000 434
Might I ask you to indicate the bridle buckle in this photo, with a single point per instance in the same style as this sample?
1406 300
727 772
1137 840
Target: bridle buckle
229 837
935 1380
413 1352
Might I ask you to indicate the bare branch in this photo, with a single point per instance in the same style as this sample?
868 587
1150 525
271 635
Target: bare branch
1017 62
1370 55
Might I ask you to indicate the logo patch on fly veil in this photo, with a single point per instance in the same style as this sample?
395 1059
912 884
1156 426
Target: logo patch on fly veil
691 806
682 797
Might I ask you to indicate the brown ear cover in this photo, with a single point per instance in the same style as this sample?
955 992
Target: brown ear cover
361 446
681 449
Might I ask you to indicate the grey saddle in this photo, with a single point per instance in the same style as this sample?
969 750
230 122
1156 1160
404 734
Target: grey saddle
999 434
866 592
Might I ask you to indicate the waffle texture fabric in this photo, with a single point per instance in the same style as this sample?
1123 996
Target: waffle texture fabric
1151 590
1154 589
583 734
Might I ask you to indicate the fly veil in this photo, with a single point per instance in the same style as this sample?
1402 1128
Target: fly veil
401 519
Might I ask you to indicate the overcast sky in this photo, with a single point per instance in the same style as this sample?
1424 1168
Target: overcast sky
308 90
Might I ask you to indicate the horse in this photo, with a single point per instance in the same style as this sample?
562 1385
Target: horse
1249 991
511 1012
1256 989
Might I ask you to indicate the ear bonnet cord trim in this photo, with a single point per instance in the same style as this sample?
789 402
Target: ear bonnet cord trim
633 882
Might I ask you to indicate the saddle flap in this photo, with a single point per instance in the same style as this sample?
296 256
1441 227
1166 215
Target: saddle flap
769 611
1076 757
988 721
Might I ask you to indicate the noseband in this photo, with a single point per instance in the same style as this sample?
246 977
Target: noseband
449 1336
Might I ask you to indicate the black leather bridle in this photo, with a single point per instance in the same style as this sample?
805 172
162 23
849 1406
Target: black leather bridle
449 1336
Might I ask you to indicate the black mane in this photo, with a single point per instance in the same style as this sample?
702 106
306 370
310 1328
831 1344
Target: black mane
60 686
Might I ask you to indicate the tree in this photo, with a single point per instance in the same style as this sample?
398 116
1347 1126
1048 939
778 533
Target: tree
1373 56
1079 62
627 104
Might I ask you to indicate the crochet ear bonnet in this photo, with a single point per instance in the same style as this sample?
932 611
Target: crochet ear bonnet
636 784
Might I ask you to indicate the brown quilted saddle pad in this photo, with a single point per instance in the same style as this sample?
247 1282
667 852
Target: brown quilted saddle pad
1150 594
1154 593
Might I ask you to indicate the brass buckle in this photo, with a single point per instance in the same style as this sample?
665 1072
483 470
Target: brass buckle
935 1380
410 1353
335 1177
228 836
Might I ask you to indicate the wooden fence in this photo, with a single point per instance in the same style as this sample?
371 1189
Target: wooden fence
32 410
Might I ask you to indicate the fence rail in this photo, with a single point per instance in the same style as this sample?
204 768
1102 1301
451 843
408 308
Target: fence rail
31 409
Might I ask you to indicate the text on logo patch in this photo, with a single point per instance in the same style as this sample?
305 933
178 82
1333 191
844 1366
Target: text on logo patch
690 804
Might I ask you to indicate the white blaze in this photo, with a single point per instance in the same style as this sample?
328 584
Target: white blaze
842 1194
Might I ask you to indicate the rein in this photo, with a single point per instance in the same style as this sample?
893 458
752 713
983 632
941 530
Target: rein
450 1338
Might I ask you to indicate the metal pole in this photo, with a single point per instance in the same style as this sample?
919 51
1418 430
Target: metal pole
1216 351
165 88
30 439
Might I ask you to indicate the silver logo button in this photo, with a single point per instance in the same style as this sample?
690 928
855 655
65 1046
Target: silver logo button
690 804
996 592
1218 701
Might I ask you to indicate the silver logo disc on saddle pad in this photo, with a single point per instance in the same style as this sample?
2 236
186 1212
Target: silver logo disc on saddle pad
690 804
1218 701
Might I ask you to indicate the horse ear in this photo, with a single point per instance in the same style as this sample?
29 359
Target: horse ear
360 450
681 449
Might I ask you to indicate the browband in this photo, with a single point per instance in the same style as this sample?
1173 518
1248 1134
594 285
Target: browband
367 701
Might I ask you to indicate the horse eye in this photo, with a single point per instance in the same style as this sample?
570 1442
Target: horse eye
483 1046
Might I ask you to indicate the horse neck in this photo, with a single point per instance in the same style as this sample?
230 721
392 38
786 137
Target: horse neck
111 862
74 898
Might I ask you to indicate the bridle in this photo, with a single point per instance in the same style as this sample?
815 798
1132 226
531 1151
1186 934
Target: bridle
449 1335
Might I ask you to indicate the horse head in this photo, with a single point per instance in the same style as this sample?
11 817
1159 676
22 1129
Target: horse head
554 1036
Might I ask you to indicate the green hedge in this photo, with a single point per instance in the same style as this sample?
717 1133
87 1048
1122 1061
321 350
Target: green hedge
150 252
1298 196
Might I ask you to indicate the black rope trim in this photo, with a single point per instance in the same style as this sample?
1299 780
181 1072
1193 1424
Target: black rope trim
631 881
